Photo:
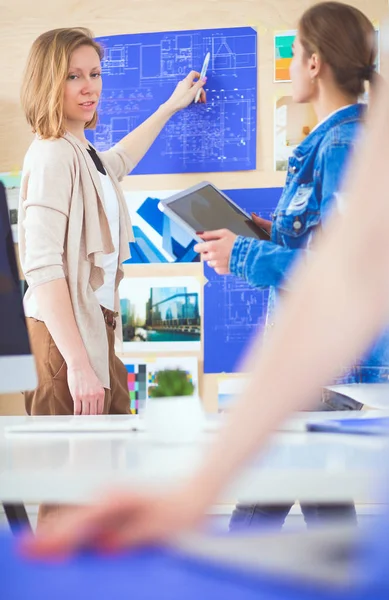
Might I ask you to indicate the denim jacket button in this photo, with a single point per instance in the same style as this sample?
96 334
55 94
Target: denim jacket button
292 169
297 225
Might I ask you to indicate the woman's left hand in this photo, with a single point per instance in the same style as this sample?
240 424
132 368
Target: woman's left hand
186 91
216 249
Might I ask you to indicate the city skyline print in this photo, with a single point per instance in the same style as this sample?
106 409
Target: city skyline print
160 313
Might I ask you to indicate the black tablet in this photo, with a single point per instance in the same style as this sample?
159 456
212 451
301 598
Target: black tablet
204 207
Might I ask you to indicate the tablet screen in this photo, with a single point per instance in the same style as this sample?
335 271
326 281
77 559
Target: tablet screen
206 209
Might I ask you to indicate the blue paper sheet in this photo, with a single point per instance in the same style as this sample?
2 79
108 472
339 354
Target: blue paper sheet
140 71
233 310
378 426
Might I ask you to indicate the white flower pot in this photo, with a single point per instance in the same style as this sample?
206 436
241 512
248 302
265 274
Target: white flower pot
175 420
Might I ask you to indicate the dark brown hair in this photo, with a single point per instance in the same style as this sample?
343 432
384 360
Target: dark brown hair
45 75
345 40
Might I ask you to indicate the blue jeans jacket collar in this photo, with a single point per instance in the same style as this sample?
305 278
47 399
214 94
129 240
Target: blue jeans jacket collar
349 114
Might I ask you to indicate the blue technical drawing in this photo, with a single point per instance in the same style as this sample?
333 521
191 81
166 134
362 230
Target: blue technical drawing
234 311
140 71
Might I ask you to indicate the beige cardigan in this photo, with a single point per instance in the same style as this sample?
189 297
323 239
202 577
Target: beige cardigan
64 231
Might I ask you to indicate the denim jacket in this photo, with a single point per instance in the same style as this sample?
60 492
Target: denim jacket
315 172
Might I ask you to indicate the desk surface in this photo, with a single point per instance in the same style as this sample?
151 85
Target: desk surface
74 467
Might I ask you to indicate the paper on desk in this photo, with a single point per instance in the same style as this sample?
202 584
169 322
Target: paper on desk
78 424
374 395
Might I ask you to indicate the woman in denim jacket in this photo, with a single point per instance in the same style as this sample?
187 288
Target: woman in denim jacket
334 54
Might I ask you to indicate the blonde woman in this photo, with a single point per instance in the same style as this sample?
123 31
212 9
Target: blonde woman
74 228
334 54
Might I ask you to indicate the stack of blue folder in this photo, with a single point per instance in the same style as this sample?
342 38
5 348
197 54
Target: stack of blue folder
369 426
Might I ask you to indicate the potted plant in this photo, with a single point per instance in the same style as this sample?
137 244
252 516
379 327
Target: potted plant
173 412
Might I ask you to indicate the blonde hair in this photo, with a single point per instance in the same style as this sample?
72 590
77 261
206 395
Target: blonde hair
46 71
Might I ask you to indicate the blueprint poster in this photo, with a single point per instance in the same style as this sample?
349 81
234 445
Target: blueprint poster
234 311
140 71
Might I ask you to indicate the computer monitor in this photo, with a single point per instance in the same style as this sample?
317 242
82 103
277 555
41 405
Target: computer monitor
17 366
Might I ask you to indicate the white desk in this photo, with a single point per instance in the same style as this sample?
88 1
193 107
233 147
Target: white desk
69 468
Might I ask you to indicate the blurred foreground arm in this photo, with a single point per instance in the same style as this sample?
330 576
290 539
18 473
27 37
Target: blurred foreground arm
338 302
337 305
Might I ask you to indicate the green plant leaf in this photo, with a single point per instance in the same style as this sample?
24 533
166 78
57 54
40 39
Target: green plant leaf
171 383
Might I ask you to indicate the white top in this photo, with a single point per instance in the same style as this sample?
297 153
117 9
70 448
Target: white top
106 293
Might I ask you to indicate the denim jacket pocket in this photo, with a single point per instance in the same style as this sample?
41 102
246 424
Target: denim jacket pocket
301 214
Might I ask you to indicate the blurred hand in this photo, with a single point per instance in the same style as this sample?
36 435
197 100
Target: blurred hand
86 389
186 91
216 249
122 520
264 223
